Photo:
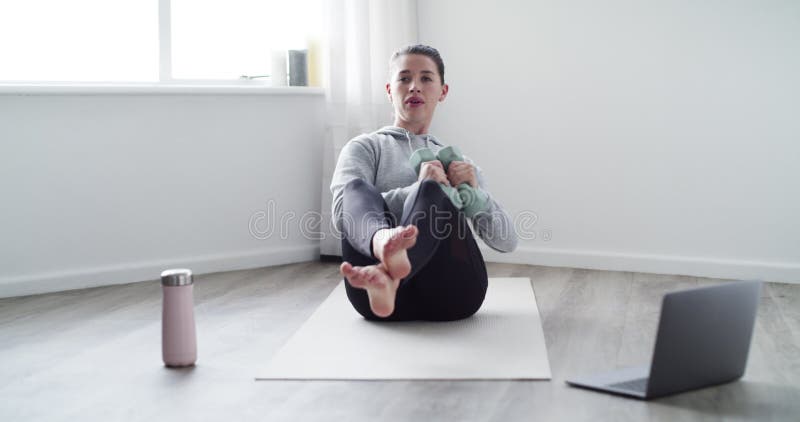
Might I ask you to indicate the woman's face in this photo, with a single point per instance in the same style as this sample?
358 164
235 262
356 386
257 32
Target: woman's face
415 89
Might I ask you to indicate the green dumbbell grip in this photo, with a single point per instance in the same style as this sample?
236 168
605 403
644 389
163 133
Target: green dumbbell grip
420 156
449 154
474 200
423 155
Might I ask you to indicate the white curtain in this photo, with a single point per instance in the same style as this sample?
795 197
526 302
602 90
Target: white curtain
359 37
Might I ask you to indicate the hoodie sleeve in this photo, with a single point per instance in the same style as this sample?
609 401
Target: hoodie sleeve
493 225
395 198
357 160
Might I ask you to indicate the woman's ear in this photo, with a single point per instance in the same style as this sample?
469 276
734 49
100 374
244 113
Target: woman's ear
445 89
389 91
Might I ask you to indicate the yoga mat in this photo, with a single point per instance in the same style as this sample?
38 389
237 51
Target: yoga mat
502 341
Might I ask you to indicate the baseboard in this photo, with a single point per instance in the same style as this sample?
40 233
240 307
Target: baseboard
151 270
658 264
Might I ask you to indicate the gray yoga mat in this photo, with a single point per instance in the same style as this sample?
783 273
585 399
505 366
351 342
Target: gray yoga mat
503 341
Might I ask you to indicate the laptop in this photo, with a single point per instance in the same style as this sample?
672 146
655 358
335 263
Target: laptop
703 339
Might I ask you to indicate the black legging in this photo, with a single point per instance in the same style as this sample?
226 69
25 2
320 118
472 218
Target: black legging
448 276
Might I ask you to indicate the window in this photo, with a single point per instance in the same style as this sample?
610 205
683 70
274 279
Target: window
214 39
79 40
118 40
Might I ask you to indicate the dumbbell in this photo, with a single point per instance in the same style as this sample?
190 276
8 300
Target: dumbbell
423 155
475 200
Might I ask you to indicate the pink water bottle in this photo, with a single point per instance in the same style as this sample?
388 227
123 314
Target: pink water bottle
178 338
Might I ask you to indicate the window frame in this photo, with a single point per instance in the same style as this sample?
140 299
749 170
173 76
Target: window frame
166 83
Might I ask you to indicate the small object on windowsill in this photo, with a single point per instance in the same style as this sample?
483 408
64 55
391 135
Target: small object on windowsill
250 78
298 67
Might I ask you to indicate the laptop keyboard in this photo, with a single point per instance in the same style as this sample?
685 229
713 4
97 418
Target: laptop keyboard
634 385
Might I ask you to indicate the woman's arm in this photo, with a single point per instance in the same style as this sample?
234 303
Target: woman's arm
356 161
493 225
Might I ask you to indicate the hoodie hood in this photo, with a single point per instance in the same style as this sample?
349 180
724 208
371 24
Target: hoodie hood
401 134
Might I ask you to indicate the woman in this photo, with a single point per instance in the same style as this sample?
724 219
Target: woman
408 251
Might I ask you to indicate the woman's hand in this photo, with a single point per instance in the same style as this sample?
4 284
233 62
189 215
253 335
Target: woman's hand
459 172
433 170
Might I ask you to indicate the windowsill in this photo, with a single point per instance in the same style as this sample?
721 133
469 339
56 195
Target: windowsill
155 89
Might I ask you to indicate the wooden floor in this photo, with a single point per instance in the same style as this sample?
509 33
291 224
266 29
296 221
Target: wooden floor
95 355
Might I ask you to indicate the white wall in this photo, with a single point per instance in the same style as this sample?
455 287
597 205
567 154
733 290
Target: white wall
362 37
646 136
102 189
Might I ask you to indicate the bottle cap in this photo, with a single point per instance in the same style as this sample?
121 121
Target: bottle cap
176 277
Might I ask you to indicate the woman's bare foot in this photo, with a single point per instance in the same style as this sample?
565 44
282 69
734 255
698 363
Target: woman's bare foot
390 245
382 280
380 286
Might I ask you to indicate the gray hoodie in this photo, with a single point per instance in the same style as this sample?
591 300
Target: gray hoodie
381 159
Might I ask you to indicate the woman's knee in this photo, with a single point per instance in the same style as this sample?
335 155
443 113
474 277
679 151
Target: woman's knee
428 197
428 185
431 190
